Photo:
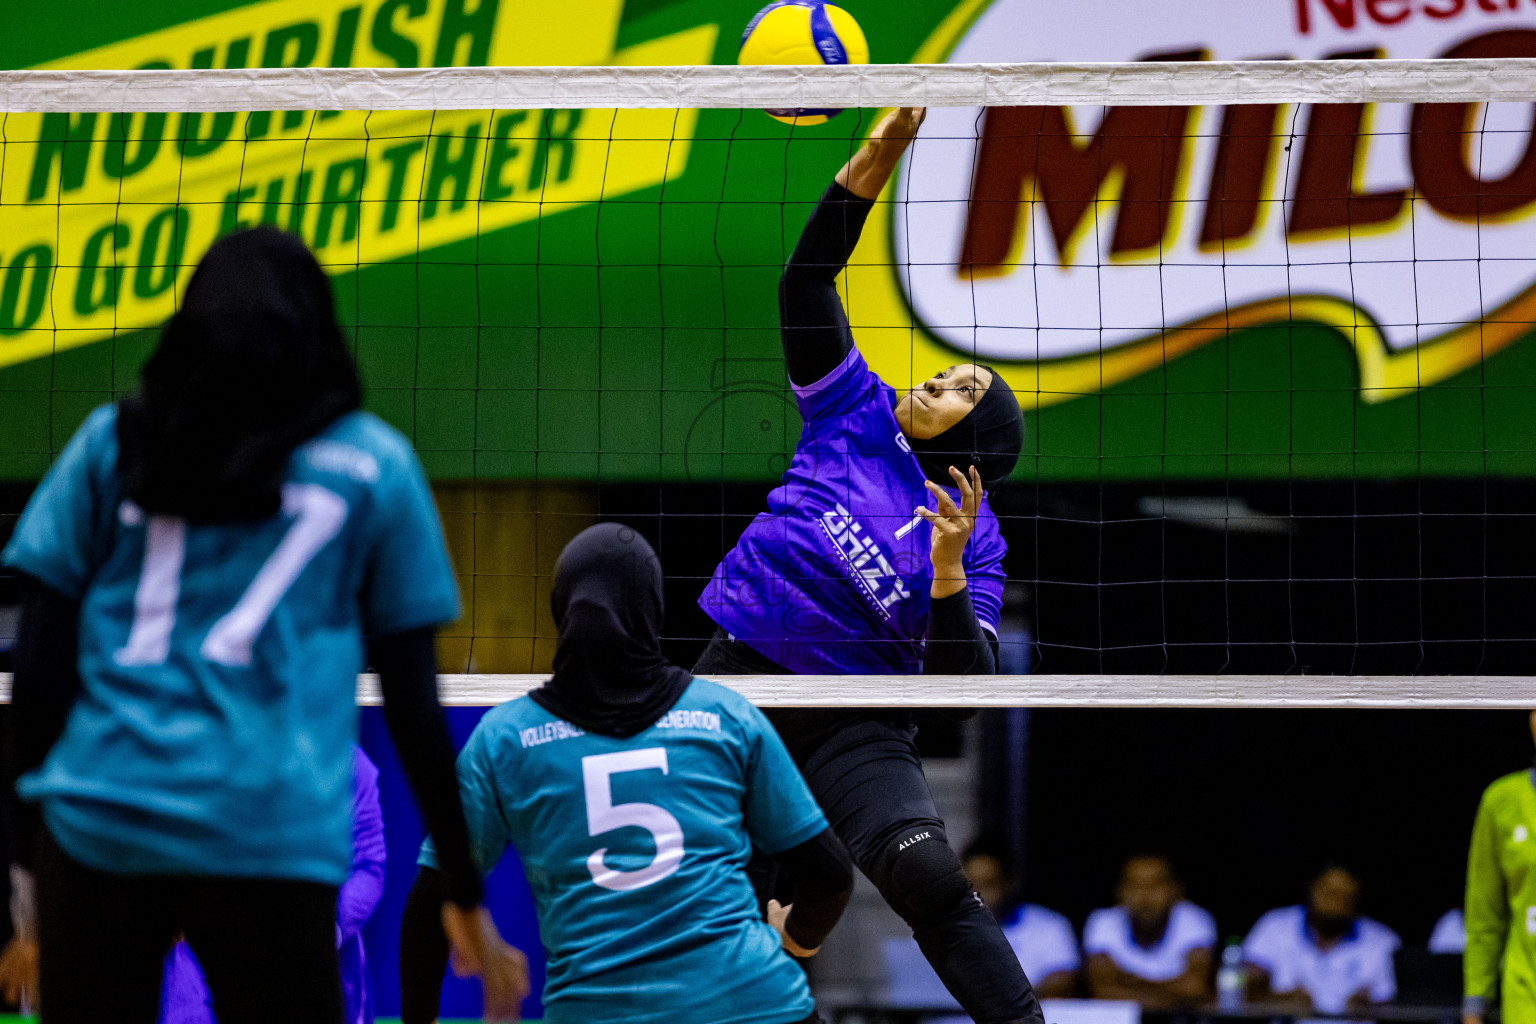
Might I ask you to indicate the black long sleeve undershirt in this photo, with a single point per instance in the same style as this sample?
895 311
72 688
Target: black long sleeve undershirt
820 868
957 645
813 326
423 949
44 686
822 874
407 668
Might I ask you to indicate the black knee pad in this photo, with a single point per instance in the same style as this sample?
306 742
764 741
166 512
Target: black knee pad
919 875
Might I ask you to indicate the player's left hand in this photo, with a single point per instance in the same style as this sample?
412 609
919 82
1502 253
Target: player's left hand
18 972
18 962
778 916
951 530
479 950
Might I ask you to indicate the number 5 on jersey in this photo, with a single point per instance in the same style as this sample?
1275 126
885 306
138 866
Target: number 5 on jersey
603 815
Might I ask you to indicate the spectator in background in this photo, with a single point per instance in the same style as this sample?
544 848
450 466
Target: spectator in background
184 997
1501 901
1323 957
1042 939
1154 946
1450 933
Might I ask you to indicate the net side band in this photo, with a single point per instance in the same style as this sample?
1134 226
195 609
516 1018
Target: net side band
1183 83
1046 691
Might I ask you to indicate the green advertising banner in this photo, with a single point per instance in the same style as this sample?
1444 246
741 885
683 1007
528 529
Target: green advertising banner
1260 291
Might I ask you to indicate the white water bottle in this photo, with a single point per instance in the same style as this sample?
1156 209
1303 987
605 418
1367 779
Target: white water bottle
1231 978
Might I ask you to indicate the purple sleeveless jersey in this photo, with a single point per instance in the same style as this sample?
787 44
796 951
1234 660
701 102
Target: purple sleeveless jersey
834 577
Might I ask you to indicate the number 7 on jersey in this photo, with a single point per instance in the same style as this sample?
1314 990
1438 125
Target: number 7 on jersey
318 515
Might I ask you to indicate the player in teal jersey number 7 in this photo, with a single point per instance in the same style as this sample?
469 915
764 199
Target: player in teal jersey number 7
206 564
633 793
1501 901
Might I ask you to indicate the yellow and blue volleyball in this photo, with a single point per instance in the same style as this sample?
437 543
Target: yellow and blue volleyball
803 32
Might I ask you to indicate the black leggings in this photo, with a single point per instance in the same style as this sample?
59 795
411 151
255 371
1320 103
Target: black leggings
267 947
865 772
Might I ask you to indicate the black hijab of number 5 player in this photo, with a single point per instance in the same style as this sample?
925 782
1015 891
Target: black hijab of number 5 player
610 676
251 366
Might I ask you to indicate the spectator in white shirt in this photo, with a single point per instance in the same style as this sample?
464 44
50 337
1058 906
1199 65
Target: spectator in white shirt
1154 946
1324 957
1042 939
1450 934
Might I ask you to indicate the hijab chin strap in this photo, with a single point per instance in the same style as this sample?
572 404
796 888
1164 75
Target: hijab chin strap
610 677
990 438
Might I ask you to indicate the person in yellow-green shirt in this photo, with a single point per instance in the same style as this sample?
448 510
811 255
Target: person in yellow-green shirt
1501 901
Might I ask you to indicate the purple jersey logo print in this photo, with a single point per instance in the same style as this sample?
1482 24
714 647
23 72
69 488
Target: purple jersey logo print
834 577
867 564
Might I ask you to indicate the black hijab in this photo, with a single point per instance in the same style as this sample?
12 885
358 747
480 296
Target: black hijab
251 366
610 677
989 438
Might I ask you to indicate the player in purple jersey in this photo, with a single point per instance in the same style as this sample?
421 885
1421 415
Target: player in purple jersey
878 554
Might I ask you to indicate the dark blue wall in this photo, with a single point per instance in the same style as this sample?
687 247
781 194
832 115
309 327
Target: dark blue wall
506 892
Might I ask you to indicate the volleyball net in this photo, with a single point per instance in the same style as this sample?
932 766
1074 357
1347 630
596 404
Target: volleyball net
1248 307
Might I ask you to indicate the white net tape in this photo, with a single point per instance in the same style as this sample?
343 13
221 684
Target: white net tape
1047 691
1181 83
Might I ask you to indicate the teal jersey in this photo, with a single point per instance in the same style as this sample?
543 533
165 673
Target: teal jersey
218 662
636 851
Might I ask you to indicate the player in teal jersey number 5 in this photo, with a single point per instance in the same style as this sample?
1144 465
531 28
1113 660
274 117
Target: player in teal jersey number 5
206 565
633 794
